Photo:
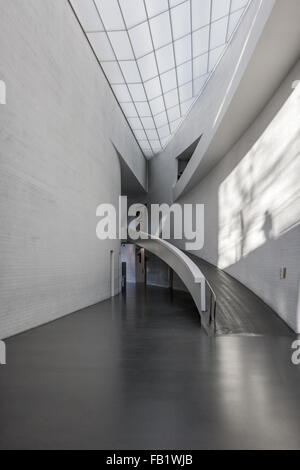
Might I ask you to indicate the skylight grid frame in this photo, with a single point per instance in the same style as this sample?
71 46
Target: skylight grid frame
140 23
173 89
173 44
192 44
194 30
168 70
142 82
186 96
159 75
125 83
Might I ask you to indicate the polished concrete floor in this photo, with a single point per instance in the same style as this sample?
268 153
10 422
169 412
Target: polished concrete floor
139 373
239 310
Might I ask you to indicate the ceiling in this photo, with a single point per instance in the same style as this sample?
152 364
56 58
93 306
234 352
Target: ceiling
158 55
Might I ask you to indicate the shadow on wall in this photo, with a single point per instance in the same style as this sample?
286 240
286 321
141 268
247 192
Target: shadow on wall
259 213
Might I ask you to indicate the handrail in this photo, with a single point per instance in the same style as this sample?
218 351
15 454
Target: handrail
187 269
196 271
213 307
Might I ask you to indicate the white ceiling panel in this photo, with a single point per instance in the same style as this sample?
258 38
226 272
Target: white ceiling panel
161 30
200 65
183 50
153 88
164 132
121 45
129 109
137 91
186 106
174 113
136 124
152 134
201 11
201 41
169 80
130 71
165 58
148 123
171 98
110 14
185 73
214 57
186 92
157 105
161 120
155 7
133 12
181 20
218 33
220 8
140 135
147 66
143 109
237 4
174 3
101 46
141 40
122 93
113 72
87 13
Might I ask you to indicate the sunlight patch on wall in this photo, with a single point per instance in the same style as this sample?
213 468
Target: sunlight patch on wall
260 199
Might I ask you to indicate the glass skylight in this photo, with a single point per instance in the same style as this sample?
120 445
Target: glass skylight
158 56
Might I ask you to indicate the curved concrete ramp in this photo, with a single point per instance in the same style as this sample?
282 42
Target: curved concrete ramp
239 310
190 274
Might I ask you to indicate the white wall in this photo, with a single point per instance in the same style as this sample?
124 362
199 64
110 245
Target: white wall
252 205
57 163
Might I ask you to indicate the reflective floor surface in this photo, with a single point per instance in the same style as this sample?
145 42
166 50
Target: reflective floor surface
139 373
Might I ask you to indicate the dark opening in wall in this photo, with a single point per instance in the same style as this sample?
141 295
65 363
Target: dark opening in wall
184 158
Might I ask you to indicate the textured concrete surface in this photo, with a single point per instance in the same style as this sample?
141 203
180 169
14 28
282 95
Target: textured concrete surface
57 164
141 374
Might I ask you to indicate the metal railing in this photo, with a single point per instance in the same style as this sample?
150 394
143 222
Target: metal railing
212 307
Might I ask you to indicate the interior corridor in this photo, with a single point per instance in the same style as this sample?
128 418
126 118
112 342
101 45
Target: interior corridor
149 226
139 372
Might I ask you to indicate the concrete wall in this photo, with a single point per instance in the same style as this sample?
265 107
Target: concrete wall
57 163
252 205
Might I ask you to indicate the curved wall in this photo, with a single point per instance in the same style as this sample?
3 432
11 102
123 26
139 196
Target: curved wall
252 205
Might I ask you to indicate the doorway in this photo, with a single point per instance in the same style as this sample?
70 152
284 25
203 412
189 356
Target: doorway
133 263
